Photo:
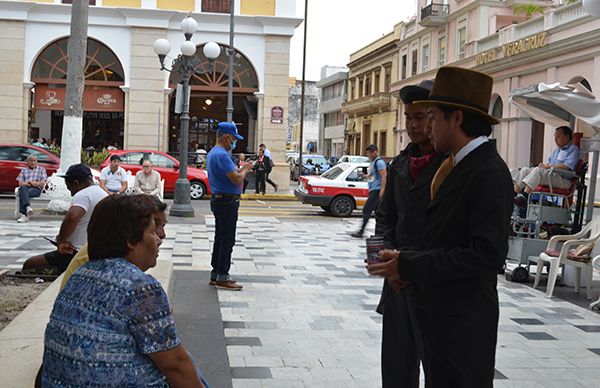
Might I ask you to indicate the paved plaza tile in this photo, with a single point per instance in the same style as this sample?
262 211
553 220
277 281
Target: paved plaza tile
306 315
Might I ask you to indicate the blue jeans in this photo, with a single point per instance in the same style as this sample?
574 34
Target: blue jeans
25 193
225 211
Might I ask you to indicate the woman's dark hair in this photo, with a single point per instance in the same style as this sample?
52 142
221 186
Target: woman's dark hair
566 131
473 125
116 221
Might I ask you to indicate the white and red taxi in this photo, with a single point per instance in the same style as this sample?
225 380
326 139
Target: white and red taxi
338 191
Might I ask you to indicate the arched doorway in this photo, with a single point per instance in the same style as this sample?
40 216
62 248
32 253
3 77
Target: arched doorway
208 101
582 81
103 100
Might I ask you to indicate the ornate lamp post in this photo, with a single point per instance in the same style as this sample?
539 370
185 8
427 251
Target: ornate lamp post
185 65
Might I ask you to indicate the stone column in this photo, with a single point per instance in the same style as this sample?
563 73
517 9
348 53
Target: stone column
146 94
274 135
12 93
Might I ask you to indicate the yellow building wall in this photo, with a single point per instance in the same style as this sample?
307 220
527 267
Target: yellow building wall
179 5
122 3
258 7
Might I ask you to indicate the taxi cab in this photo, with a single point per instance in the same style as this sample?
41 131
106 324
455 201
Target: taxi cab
338 191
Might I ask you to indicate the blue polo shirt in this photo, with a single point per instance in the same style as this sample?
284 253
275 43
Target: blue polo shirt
219 163
569 155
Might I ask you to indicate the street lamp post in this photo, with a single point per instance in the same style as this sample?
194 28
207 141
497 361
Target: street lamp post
185 65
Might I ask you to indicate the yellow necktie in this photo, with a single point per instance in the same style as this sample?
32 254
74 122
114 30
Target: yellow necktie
441 174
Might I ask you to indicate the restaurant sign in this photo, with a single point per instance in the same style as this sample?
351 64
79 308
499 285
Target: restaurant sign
94 100
518 47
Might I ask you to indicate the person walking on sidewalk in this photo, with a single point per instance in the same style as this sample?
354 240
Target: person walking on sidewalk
377 181
267 153
262 167
226 181
241 162
31 182
465 239
401 222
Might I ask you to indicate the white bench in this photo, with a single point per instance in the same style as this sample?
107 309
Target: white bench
49 188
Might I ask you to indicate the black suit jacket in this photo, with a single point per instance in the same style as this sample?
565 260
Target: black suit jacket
466 238
401 213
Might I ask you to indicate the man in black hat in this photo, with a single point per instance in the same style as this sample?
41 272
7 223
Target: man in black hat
377 181
401 222
466 236
73 230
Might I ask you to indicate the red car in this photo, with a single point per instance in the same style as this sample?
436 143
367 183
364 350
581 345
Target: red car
13 158
167 166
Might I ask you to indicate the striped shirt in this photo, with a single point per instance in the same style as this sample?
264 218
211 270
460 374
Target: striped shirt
27 174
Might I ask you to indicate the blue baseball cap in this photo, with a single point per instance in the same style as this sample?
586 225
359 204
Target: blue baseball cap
225 127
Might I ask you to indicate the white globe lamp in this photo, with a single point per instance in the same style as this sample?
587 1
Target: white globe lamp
211 50
161 46
189 26
188 48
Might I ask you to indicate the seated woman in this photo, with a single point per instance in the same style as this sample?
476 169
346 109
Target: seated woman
111 325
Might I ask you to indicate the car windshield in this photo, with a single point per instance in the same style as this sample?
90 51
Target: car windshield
315 159
358 159
333 173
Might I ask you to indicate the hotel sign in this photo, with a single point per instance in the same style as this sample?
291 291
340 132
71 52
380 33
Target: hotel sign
518 47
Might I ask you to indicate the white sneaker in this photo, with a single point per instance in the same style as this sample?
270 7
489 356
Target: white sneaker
29 211
23 218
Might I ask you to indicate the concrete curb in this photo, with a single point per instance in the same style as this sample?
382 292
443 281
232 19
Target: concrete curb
22 341
271 197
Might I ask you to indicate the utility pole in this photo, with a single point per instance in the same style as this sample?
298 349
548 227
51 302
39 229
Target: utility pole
72 131
302 93
230 54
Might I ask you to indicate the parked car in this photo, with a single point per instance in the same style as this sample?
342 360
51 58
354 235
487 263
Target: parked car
312 164
353 159
13 158
338 191
167 166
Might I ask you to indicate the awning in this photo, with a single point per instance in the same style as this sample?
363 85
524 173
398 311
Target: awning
557 105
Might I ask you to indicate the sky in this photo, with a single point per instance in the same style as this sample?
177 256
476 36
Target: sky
337 28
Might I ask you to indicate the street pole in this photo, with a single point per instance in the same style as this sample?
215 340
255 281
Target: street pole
302 92
230 53
185 65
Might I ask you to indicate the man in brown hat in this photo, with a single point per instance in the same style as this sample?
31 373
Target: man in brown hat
465 242
401 222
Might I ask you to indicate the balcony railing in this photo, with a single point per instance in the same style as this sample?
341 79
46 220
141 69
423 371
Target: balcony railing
375 103
434 15
435 10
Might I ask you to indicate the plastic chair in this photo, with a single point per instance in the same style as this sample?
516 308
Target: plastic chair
596 266
556 258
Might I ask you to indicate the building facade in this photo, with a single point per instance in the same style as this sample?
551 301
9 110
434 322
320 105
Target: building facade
333 87
370 108
560 44
127 99
310 130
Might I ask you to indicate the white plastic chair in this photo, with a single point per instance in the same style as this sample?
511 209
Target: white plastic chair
570 242
596 266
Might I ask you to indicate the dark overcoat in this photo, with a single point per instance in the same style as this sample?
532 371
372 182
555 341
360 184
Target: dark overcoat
466 242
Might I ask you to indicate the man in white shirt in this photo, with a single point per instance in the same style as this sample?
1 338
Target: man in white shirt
73 230
147 181
113 179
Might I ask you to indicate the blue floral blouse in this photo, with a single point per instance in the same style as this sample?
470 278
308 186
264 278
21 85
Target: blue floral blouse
104 323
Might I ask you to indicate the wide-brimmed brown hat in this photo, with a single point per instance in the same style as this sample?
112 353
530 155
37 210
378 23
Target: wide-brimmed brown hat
462 89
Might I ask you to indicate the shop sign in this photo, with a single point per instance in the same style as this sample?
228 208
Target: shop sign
94 100
520 46
277 115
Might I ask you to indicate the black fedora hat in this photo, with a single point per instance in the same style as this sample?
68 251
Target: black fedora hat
411 93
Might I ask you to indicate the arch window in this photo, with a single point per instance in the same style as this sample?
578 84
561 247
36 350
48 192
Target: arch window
102 65
245 79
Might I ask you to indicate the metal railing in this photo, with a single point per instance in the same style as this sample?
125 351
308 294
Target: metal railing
434 9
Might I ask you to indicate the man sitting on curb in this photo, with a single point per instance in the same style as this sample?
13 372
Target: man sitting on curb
73 230
31 182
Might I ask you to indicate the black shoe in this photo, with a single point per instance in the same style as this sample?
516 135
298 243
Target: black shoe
521 201
357 234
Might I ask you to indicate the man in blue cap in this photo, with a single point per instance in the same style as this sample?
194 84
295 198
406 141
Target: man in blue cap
226 182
